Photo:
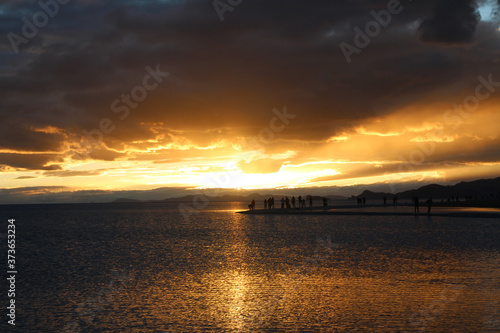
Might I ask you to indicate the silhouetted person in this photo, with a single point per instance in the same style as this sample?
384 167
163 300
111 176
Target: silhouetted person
325 201
252 205
385 201
310 201
282 202
300 201
429 206
293 201
395 200
265 203
364 201
417 203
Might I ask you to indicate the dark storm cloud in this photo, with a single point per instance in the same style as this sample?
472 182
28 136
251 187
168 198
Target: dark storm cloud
453 21
19 136
31 161
223 75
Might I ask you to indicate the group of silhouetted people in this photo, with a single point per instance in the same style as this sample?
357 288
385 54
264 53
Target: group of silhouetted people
298 202
361 201
429 203
269 203
293 203
301 201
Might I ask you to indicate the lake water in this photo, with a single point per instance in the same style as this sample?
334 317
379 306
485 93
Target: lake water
141 267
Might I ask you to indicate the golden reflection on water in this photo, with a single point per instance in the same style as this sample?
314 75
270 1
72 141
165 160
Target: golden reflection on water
237 294
237 284
236 273
347 289
477 209
372 291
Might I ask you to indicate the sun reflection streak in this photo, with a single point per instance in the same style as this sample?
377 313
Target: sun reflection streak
238 291
237 283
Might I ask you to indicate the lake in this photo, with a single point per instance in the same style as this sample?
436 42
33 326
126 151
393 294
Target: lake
143 267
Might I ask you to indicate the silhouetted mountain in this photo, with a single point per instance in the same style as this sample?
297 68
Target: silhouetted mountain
369 195
190 198
480 189
483 188
126 200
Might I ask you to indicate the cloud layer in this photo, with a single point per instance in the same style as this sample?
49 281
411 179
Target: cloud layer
84 73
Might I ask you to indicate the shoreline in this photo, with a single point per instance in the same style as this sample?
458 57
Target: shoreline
437 211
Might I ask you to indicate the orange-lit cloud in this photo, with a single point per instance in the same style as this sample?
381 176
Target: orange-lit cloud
398 112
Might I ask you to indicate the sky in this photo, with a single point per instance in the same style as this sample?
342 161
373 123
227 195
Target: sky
131 95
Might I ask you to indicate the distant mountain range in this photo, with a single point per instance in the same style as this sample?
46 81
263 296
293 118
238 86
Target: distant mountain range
484 188
232 198
478 189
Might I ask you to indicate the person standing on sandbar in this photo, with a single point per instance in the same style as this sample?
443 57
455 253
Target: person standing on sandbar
429 206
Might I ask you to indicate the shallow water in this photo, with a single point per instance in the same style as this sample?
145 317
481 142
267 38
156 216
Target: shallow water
141 267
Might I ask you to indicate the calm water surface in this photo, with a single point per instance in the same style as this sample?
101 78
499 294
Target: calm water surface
141 267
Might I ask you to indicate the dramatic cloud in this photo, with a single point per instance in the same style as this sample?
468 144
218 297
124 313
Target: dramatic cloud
453 21
136 94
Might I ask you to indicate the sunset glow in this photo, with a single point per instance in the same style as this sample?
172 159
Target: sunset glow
87 117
